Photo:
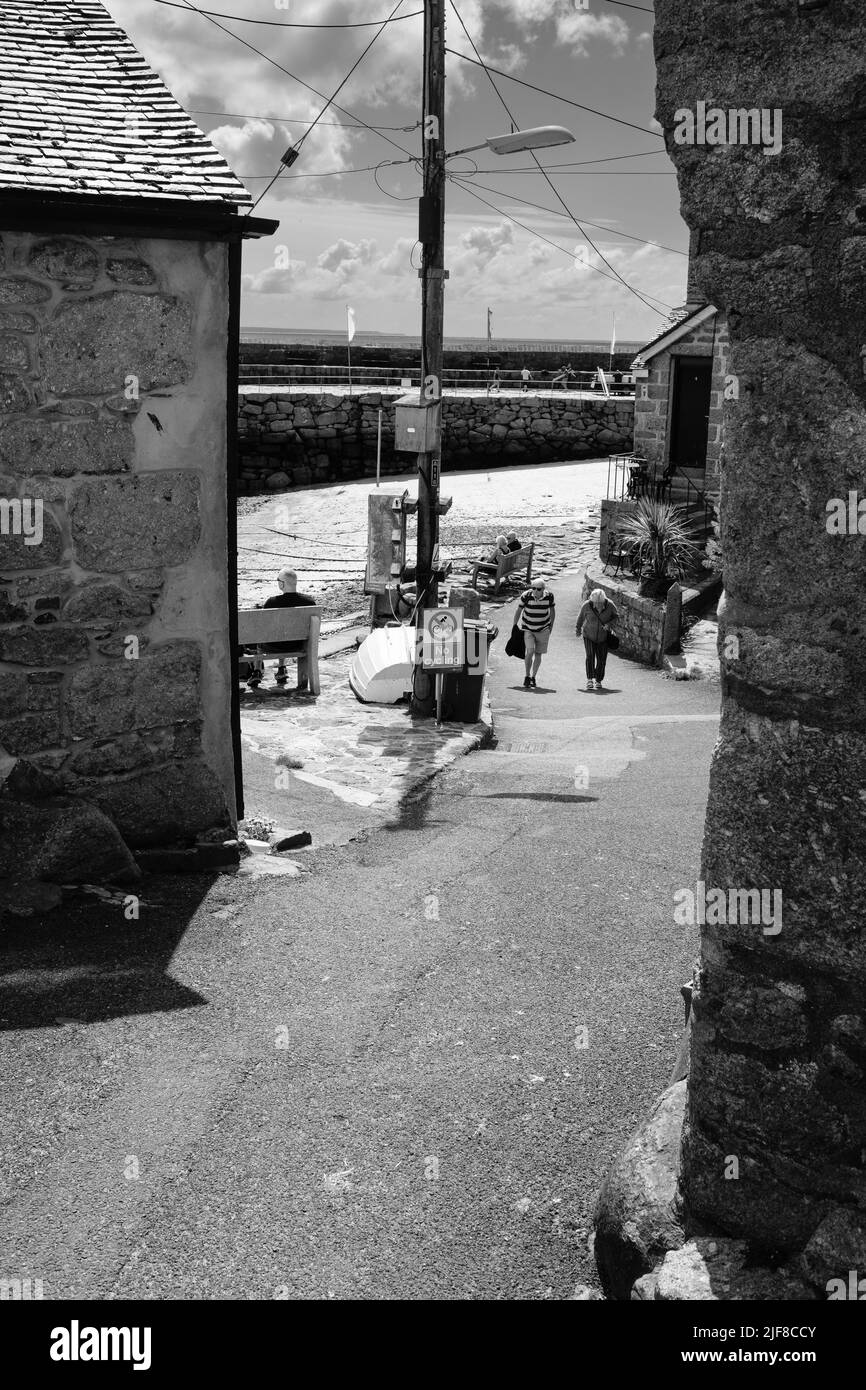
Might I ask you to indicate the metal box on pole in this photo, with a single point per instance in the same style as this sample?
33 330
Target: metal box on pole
416 425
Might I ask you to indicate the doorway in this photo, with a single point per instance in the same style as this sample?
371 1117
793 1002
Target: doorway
690 411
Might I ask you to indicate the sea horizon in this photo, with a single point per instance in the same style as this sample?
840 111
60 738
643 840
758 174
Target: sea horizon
371 338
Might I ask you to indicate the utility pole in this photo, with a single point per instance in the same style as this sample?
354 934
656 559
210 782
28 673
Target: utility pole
433 275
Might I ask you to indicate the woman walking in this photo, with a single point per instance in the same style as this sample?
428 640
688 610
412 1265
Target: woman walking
535 614
594 621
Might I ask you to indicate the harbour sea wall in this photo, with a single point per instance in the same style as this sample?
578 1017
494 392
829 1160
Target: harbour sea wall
290 439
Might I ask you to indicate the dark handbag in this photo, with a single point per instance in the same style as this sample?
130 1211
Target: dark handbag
516 644
612 641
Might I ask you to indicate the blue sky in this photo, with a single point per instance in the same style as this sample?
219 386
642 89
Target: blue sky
344 240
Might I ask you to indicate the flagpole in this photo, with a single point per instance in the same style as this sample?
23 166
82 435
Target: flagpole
612 343
349 344
488 351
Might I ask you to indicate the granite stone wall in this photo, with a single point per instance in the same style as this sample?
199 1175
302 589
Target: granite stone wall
291 439
114 662
778 1069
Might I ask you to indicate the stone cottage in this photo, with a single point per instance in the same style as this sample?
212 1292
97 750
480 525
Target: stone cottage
120 254
681 382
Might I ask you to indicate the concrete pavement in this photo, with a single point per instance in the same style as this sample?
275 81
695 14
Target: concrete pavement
400 1075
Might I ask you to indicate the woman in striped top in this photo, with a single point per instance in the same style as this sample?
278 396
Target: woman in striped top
536 613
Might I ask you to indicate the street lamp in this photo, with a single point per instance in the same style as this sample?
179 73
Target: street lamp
538 137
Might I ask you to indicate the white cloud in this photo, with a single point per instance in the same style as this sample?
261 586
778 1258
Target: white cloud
344 256
579 27
397 261
487 242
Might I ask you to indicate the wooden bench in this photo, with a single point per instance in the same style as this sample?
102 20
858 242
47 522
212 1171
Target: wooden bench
509 564
290 634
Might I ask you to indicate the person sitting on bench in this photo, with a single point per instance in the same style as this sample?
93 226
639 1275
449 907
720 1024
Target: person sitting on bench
494 556
513 542
288 597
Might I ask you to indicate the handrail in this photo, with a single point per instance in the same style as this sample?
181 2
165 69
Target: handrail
618 470
703 501
454 378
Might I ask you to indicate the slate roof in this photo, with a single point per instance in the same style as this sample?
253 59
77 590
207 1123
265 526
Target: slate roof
81 112
690 319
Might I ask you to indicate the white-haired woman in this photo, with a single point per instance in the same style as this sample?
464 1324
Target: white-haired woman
594 623
492 557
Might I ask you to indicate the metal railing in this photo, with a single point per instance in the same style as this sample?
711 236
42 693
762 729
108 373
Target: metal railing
629 479
317 376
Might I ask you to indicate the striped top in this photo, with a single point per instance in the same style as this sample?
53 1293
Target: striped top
538 612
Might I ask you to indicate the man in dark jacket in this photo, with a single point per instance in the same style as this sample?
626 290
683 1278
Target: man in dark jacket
288 597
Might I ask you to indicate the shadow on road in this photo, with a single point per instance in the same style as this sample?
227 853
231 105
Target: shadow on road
85 962
533 796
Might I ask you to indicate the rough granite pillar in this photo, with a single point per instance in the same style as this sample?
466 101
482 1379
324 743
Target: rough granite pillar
774 1147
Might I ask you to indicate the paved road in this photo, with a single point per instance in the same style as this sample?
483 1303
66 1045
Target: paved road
366 1082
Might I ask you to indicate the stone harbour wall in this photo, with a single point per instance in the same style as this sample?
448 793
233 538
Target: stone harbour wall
114 663
291 439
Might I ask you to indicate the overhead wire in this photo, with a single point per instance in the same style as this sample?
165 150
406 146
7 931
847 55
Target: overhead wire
284 23
330 101
459 179
334 173
300 80
480 63
398 197
564 249
637 293
355 65
302 120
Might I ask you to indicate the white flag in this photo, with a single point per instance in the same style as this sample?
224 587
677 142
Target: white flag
350 322
613 336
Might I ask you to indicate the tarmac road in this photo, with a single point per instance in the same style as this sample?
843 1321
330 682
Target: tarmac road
370 1082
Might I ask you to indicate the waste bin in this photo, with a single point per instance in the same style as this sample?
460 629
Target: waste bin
464 689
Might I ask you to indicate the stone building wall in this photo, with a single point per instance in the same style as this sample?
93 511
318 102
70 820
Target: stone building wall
778 1060
115 670
653 405
291 439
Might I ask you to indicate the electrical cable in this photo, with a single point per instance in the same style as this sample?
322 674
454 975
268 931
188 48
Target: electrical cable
595 174
298 146
356 64
554 212
398 197
334 173
559 198
268 59
286 24
564 249
479 63
302 120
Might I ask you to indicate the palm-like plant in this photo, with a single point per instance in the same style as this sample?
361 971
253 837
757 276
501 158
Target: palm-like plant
662 539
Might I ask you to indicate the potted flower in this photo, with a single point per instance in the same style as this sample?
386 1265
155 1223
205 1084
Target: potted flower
663 542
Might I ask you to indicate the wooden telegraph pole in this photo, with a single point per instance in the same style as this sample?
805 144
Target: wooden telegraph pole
433 275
